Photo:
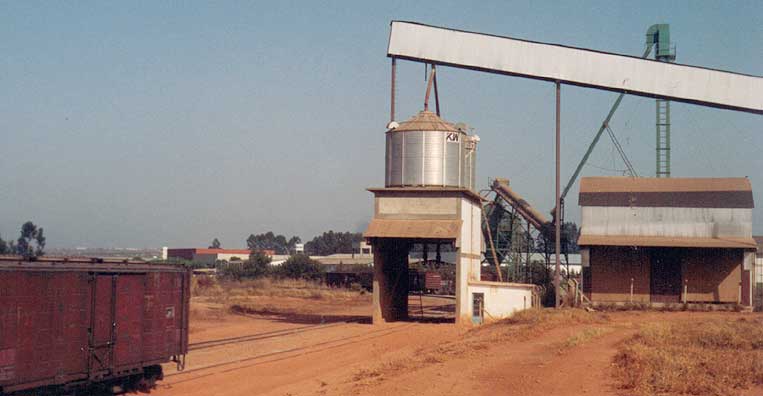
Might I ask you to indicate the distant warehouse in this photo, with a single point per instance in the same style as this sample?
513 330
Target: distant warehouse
208 256
667 240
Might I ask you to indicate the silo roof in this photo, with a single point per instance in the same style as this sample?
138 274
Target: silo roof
425 121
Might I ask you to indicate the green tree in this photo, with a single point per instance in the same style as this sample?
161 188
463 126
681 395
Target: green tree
3 246
333 242
215 244
31 242
257 266
301 266
271 241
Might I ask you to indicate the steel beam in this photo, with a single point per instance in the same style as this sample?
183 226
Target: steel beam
576 66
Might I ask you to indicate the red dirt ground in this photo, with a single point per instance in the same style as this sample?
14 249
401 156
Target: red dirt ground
404 358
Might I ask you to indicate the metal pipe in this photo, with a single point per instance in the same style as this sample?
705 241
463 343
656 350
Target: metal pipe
527 258
392 91
492 246
429 89
436 96
557 220
603 127
631 297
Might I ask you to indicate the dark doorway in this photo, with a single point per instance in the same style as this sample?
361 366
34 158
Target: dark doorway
666 275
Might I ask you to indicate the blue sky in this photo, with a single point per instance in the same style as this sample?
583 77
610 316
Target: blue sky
143 124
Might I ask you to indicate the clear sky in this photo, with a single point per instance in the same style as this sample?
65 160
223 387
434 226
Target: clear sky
146 124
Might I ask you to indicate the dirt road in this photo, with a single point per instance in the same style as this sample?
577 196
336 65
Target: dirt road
270 356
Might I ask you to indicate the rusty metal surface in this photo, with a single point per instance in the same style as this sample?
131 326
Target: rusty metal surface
57 264
425 121
501 187
626 240
666 192
651 184
428 229
137 312
683 199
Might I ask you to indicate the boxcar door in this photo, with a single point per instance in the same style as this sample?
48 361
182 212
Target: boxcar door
666 275
102 326
128 347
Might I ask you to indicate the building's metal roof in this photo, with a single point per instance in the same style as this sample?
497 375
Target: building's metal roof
83 264
657 241
426 229
652 184
426 191
666 192
211 251
425 121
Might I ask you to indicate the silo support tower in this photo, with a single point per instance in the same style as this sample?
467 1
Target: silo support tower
659 36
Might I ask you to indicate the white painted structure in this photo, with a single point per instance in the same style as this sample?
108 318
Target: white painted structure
468 266
584 67
501 300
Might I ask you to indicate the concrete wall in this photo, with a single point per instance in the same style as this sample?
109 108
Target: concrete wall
501 299
411 207
227 257
387 264
669 222
469 257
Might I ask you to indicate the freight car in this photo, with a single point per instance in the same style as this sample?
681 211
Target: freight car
79 325
429 282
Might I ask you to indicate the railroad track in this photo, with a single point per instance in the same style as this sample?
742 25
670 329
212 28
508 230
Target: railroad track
259 336
285 354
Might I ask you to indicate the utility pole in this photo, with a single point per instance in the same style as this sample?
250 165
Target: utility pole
557 214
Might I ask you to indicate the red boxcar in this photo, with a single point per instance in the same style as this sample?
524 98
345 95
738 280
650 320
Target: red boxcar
432 281
72 323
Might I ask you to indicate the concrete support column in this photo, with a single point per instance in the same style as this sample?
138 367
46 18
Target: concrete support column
463 300
390 294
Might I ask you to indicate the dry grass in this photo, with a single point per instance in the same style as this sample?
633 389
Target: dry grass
268 287
525 324
267 296
708 357
582 337
675 307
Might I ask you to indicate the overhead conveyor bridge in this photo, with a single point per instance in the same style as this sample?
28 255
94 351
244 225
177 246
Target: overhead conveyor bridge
577 66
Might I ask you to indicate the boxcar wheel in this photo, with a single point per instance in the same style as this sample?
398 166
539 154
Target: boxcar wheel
151 374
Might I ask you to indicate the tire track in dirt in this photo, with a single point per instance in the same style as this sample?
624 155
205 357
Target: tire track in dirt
531 367
290 354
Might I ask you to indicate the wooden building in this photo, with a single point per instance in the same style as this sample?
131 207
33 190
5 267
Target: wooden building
677 240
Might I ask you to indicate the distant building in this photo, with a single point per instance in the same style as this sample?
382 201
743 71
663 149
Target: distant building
667 240
362 249
208 256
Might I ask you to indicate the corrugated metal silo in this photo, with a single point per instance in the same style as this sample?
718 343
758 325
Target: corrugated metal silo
428 151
